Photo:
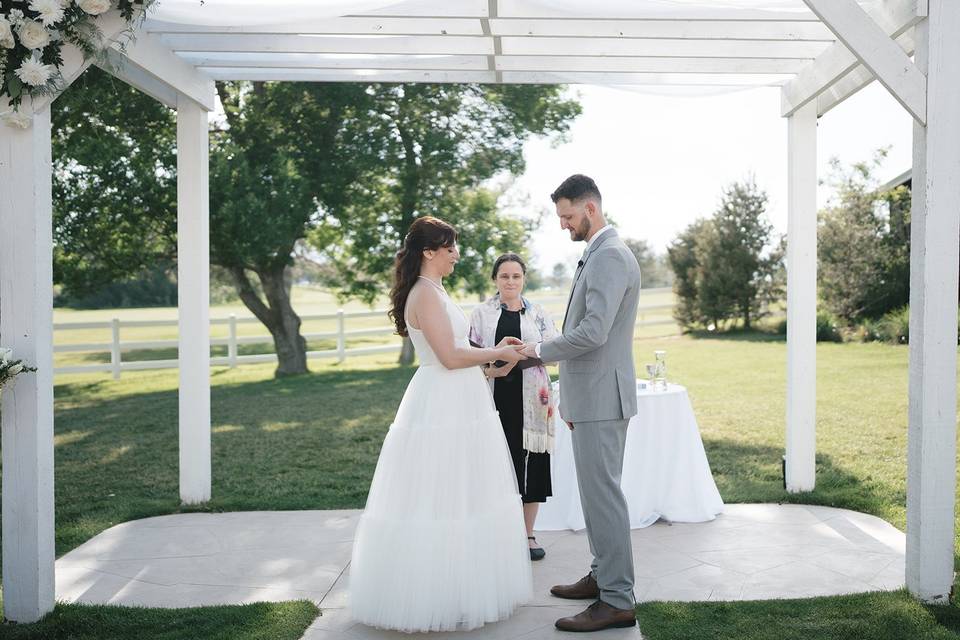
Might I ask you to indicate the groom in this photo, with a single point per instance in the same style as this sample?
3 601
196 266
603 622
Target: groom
597 399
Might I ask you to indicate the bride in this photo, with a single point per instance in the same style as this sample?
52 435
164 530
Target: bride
441 544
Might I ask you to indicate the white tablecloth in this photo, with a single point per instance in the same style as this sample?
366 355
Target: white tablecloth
665 469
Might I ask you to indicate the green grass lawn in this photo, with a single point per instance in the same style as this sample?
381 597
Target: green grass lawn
311 442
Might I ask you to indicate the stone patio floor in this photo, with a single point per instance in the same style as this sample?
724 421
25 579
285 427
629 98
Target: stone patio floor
751 552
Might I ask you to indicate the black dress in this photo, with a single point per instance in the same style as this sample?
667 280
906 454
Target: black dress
533 469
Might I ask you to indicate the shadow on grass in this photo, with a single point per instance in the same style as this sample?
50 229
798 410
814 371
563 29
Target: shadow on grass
302 442
753 473
739 335
279 621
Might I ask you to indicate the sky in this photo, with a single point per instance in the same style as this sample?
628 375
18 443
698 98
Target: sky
661 162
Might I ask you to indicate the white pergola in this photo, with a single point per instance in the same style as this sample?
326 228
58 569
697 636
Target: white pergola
818 51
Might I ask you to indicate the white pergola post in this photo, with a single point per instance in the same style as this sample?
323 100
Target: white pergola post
802 299
935 225
26 326
193 278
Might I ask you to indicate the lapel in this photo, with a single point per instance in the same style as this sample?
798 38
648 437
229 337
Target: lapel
607 235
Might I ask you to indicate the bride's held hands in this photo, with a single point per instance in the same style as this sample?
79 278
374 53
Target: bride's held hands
511 353
509 340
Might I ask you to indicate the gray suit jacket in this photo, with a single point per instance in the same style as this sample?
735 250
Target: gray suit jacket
595 350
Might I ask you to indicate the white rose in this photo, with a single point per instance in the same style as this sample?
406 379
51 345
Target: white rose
51 11
15 369
6 34
34 73
33 35
16 119
94 7
5 355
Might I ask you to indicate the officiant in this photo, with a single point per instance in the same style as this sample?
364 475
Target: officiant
522 394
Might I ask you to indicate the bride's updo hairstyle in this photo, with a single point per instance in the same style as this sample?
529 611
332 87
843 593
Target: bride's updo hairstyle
426 233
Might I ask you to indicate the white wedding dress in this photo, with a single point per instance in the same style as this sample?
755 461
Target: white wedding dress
441 544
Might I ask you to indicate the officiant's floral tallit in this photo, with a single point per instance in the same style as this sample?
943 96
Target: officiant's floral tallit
539 406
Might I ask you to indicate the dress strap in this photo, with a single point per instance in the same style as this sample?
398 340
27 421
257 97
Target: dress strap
440 288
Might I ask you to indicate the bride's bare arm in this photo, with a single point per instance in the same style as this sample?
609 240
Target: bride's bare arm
428 309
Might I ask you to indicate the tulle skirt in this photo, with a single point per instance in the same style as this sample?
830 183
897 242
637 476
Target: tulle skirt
441 544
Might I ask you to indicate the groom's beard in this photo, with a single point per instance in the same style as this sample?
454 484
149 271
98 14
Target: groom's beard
582 231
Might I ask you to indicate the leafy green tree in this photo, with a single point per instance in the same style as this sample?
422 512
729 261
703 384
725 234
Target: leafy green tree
729 266
443 143
347 163
114 184
684 261
654 270
864 244
288 150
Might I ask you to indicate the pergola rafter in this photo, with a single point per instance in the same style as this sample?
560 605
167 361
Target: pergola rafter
819 53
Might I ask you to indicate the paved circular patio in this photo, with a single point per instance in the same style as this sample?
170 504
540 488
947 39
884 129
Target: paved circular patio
751 552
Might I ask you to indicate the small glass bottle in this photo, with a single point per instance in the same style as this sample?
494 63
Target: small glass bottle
660 370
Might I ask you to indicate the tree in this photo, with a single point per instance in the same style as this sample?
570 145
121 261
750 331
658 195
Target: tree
114 185
559 275
443 143
654 270
684 261
354 162
289 149
728 266
864 244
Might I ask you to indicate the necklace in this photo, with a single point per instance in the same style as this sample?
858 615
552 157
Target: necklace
444 291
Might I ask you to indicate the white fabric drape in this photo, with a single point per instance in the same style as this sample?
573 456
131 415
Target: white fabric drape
235 13
675 9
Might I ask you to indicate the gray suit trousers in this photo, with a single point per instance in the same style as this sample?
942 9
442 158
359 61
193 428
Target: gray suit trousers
598 456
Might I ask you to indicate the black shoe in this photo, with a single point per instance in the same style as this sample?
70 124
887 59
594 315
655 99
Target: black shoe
538 553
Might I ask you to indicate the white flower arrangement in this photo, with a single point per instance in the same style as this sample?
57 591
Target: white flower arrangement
32 36
10 368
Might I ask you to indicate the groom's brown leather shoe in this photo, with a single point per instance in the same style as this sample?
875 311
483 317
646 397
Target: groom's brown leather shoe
598 616
583 589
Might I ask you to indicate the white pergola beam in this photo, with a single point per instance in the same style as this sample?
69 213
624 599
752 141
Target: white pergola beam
686 29
893 17
560 64
320 61
484 45
440 76
383 26
876 51
658 47
193 300
486 77
443 45
801 299
856 80
695 29
149 65
934 228
556 64
26 326
646 11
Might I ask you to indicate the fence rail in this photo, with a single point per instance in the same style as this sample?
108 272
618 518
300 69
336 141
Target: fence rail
116 347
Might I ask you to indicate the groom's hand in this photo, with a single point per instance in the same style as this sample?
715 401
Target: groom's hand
529 350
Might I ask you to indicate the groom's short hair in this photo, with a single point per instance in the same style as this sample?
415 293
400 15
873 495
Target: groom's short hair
576 188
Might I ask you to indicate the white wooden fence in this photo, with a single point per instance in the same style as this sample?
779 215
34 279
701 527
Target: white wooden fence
342 335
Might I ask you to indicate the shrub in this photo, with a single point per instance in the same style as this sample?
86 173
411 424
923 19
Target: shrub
895 326
828 329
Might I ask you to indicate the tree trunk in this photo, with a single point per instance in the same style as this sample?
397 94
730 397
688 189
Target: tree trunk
277 315
407 352
290 345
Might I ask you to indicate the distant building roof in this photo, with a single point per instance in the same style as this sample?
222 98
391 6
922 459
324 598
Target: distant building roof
905 178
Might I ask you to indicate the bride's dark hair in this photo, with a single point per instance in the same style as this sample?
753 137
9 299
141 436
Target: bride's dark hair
425 233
